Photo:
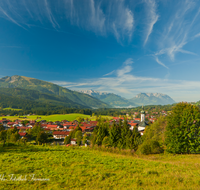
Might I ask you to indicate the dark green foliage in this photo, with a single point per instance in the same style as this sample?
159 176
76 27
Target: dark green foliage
3 136
14 137
133 139
150 147
42 137
67 140
1 127
154 137
183 129
35 131
125 133
106 141
103 131
85 138
117 135
78 136
156 130
114 135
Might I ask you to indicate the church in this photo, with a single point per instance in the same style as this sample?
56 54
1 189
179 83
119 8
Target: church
142 123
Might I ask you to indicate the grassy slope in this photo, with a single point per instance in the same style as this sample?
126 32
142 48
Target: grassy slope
68 168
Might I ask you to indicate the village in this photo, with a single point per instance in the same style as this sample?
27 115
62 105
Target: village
59 130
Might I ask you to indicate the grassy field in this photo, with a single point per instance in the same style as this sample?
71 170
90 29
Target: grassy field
56 117
12 109
37 167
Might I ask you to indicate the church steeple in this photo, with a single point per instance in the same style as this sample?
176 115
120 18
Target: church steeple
142 114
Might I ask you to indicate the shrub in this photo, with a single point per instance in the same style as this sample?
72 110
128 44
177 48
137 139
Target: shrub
151 147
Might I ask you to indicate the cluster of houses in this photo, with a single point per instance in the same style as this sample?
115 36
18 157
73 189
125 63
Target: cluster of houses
61 129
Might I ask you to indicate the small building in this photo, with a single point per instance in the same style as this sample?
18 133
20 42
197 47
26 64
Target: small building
73 141
60 134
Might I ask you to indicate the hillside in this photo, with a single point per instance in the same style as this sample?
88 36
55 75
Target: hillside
51 89
31 105
33 95
110 98
152 99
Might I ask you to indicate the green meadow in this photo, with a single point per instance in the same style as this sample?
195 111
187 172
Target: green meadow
58 167
56 117
12 109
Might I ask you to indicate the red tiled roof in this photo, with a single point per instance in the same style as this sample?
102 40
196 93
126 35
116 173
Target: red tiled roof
22 134
47 129
52 126
11 123
61 133
68 123
43 125
133 124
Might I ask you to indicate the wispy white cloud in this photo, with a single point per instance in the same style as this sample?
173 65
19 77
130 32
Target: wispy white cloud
160 63
126 84
110 73
50 15
99 16
152 18
178 31
197 35
10 18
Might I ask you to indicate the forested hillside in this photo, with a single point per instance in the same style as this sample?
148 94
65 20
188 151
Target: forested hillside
51 89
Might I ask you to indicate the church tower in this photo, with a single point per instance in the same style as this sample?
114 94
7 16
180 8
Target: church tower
142 114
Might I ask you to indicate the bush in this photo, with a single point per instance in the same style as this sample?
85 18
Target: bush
151 147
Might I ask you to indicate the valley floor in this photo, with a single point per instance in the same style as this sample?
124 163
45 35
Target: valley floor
58 167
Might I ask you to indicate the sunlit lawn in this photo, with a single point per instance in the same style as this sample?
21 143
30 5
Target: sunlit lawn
56 117
83 168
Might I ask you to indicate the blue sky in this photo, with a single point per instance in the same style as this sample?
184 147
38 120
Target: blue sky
119 46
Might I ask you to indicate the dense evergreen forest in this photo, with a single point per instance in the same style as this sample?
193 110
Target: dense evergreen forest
39 108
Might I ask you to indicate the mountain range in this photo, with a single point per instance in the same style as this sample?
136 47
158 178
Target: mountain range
140 99
38 92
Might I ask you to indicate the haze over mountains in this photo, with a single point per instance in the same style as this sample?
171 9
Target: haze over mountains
140 99
42 93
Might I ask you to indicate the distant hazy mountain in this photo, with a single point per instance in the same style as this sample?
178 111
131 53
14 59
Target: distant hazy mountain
152 99
67 96
110 98
140 99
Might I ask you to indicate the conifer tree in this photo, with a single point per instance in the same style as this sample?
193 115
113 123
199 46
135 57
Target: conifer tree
114 135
